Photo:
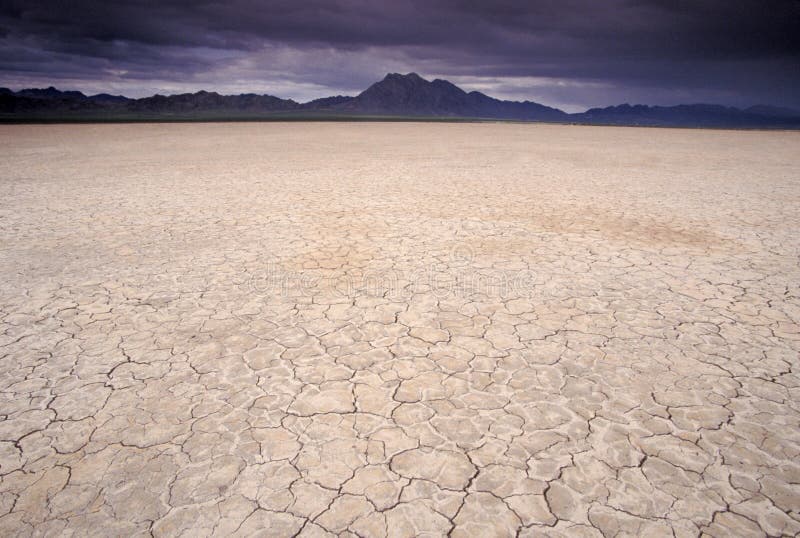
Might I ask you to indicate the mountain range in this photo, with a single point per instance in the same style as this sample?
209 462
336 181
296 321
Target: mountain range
396 96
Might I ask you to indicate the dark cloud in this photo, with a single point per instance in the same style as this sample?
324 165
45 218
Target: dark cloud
564 52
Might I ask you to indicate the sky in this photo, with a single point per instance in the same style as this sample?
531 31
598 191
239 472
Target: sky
572 54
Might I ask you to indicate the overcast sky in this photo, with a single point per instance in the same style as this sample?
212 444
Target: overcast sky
567 53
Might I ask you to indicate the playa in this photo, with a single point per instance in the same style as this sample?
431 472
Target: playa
399 329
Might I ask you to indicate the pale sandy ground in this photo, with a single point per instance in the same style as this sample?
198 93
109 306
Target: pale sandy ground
398 329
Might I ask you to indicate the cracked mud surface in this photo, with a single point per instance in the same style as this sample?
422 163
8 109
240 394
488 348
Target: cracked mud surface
398 330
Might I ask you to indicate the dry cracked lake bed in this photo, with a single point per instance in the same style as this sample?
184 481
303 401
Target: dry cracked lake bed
398 329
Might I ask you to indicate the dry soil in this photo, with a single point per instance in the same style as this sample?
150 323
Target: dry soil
402 329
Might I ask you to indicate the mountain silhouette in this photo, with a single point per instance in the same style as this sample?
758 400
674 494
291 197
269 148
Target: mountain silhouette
695 115
397 95
412 95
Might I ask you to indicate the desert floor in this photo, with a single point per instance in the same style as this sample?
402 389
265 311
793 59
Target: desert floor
405 329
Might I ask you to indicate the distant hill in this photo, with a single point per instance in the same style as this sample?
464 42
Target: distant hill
210 101
697 115
403 96
412 95
773 111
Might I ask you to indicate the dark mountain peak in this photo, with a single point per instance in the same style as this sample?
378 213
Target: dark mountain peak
412 95
408 76
397 80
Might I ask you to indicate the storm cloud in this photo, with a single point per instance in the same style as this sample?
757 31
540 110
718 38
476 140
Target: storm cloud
567 53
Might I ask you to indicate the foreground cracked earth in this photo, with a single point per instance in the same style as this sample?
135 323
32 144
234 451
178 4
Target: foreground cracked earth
398 330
